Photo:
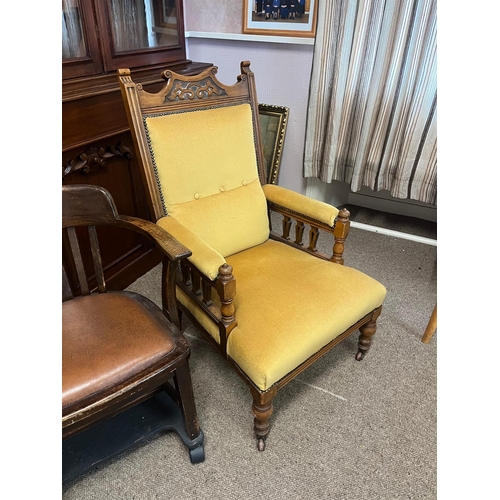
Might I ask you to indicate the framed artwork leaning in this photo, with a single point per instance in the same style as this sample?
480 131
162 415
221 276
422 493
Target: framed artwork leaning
273 122
280 17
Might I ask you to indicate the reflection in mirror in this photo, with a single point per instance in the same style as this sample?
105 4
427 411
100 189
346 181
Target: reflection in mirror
273 121
141 24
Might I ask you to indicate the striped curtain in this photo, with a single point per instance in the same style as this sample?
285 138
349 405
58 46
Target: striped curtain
373 97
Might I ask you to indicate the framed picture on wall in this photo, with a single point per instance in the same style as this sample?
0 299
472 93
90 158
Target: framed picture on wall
280 17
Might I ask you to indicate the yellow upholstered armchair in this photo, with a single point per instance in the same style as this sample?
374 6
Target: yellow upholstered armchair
270 304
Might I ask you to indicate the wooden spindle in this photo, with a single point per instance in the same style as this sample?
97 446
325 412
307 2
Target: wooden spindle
287 224
299 232
313 238
77 257
186 272
96 257
196 281
207 293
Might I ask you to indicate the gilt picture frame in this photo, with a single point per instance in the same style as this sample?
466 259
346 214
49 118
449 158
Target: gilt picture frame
297 19
273 123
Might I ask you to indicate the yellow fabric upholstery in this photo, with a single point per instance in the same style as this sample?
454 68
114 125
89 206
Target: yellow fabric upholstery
289 305
206 322
206 159
204 257
299 203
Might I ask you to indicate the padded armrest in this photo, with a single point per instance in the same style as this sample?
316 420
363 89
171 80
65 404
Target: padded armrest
309 207
203 256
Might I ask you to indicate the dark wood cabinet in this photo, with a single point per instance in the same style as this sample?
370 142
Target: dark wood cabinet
100 36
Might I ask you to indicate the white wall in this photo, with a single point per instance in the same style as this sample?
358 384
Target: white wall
282 74
223 16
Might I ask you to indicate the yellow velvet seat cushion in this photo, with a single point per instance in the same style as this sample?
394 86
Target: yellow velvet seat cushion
289 305
206 164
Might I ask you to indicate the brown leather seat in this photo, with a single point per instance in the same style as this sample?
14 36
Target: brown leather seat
109 340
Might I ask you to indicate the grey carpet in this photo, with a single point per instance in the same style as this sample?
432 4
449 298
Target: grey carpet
343 429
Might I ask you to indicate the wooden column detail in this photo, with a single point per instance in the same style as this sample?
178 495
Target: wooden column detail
340 234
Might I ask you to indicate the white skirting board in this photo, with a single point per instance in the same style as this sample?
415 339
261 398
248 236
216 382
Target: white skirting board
395 234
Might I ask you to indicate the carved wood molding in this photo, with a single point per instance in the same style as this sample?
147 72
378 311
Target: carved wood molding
182 90
95 158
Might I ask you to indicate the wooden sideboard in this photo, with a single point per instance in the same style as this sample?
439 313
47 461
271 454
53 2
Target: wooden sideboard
97 146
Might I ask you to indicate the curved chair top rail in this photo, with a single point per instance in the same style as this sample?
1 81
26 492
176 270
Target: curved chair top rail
193 91
84 205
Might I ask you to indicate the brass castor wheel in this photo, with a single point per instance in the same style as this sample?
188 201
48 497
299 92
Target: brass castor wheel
197 455
261 444
360 355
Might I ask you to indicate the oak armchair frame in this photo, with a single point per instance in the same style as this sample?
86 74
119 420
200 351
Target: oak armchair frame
195 92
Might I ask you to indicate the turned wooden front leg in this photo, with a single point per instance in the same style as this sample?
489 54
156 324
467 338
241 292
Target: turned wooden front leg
262 408
367 332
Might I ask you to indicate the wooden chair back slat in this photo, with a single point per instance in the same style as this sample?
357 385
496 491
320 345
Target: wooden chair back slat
96 256
87 206
77 258
67 294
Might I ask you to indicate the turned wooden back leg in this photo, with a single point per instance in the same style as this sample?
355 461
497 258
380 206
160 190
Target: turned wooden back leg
367 332
262 408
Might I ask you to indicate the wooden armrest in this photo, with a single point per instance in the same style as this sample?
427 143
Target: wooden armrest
315 213
168 244
204 257
205 271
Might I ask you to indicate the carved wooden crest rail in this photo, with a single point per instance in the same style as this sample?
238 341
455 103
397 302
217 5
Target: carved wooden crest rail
194 90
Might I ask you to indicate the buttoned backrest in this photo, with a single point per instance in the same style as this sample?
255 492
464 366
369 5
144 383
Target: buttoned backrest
206 168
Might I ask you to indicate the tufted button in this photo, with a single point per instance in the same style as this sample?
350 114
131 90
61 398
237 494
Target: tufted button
196 196
244 182
222 189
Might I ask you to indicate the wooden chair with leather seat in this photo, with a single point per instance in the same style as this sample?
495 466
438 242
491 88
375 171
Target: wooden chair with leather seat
271 304
119 350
